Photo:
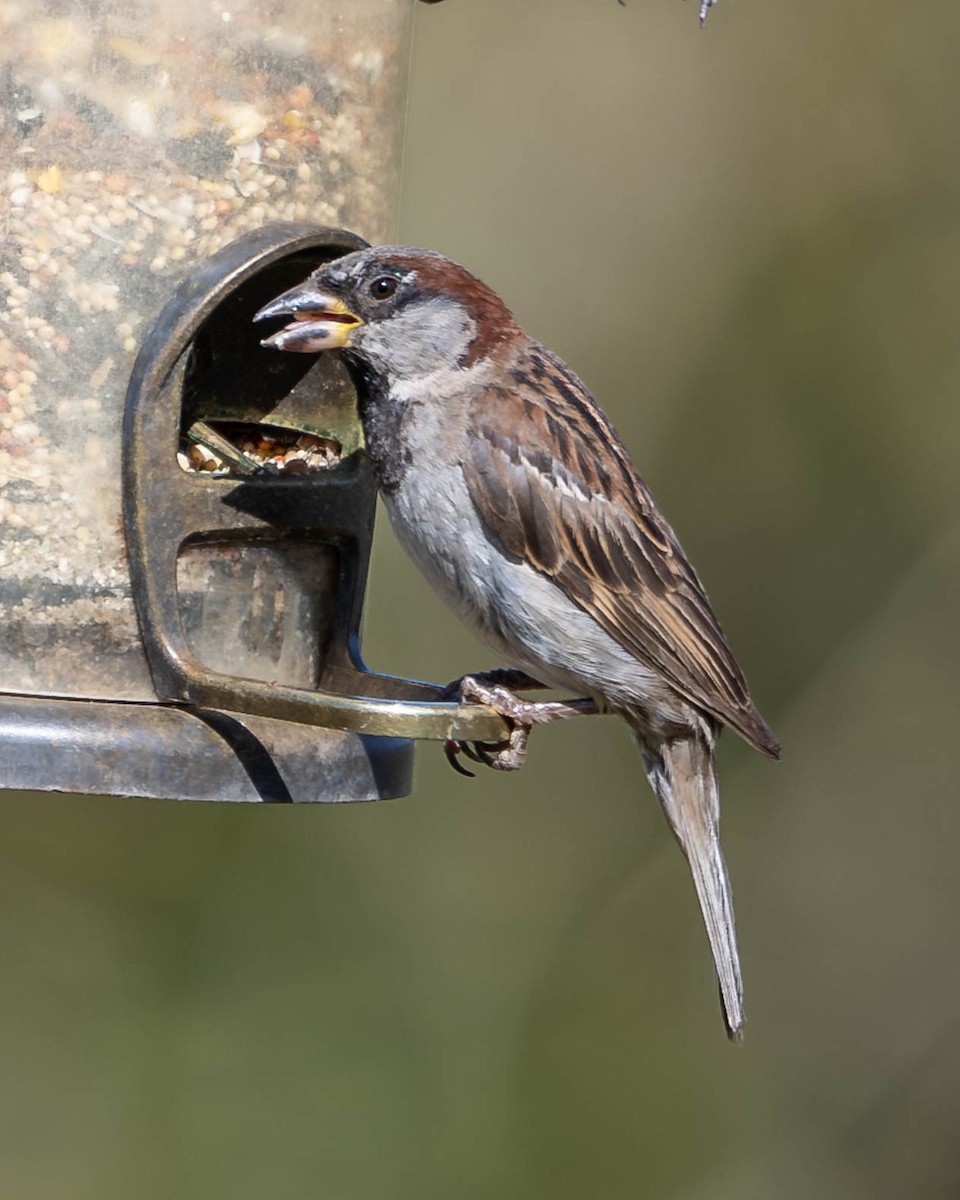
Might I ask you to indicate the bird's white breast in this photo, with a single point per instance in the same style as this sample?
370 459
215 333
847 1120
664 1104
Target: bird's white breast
522 613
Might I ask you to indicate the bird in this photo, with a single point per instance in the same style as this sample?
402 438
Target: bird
510 489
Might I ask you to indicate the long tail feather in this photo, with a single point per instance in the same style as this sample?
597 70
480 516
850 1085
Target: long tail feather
682 774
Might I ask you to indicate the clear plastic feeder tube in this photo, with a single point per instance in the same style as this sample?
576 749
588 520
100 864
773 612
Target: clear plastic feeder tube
137 137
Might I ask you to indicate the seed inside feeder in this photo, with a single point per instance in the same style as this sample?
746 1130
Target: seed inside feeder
234 450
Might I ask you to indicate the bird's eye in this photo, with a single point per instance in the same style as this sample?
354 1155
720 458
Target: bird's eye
384 287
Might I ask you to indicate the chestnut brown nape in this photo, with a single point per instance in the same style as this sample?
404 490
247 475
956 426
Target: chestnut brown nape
442 276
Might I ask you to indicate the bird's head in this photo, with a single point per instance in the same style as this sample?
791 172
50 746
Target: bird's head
404 312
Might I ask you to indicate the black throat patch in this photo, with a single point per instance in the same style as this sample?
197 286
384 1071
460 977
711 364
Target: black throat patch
382 415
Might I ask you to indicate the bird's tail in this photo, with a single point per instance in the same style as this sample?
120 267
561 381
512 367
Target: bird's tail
682 774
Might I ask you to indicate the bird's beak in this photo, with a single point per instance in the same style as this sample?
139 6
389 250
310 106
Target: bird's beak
321 321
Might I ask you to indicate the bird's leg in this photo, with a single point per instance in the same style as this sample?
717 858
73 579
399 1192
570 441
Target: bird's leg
508 677
496 690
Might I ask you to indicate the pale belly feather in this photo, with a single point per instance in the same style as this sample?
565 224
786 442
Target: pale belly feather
526 617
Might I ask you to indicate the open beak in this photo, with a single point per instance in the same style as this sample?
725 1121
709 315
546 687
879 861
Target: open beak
321 321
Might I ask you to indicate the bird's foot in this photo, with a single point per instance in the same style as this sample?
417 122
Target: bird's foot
495 689
505 677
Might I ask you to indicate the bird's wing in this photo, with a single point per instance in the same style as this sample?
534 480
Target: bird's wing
555 486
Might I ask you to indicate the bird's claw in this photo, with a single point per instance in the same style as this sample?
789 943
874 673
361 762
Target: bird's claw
493 690
478 752
453 749
509 755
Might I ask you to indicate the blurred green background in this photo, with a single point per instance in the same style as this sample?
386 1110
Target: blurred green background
746 240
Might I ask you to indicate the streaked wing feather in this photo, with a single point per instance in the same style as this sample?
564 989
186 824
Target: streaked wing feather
588 522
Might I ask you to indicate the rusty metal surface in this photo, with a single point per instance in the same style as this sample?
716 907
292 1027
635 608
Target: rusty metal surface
130 749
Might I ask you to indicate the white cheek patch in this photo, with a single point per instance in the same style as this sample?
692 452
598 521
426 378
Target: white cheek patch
418 339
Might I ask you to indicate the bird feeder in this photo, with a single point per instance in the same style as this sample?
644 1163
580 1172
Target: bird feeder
186 519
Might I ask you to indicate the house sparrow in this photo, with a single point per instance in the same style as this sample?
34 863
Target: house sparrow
511 491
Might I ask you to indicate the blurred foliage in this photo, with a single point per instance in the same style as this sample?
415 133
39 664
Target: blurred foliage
745 239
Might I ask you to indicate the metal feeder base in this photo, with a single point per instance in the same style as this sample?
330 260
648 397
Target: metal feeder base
151 750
